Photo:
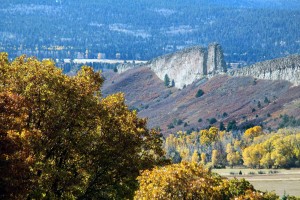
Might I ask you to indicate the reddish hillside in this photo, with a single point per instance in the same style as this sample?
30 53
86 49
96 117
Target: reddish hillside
244 99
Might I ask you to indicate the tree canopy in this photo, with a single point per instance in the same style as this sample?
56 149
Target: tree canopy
192 181
60 139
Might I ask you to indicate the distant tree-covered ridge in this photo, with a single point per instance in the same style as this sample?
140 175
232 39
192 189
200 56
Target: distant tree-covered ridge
60 139
249 31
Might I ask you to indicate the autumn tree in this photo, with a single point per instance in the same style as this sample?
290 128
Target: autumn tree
253 132
15 158
195 157
60 139
192 181
233 156
203 158
214 158
252 155
209 136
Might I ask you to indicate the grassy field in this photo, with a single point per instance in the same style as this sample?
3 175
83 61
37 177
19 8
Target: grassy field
279 180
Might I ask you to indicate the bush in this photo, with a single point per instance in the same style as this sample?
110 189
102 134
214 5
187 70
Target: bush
200 120
273 172
266 100
261 172
199 93
225 114
212 120
258 104
231 125
222 127
170 126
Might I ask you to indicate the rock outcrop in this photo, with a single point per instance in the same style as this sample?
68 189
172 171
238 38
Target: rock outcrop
186 66
287 68
183 67
126 66
190 64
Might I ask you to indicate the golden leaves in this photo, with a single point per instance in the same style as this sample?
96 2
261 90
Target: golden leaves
190 181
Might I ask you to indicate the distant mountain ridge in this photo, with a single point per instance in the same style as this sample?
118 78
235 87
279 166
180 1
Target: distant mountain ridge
249 30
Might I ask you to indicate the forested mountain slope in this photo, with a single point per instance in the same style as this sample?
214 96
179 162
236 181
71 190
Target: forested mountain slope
249 30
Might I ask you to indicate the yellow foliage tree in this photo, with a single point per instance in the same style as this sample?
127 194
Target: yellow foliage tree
214 158
63 140
252 155
233 157
253 132
195 157
203 158
191 181
209 136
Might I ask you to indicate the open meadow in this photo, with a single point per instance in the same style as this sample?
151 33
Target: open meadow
277 180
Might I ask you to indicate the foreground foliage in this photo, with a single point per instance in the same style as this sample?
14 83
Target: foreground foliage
60 139
192 181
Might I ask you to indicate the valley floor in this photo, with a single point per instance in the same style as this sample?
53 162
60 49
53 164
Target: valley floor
282 181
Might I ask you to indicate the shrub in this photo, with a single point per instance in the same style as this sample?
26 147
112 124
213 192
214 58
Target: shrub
179 122
212 120
273 172
231 125
222 127
258 104
170 126
266 100
199 93
261 172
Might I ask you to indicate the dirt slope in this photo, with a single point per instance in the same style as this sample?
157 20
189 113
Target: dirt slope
244 99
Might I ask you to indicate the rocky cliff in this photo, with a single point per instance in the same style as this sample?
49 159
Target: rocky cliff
186 66
287 68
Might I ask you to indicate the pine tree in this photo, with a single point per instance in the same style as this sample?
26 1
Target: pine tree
167 80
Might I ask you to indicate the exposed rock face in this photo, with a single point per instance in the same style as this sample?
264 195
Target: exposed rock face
126 66
183 67
186 66
287 68
215 59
